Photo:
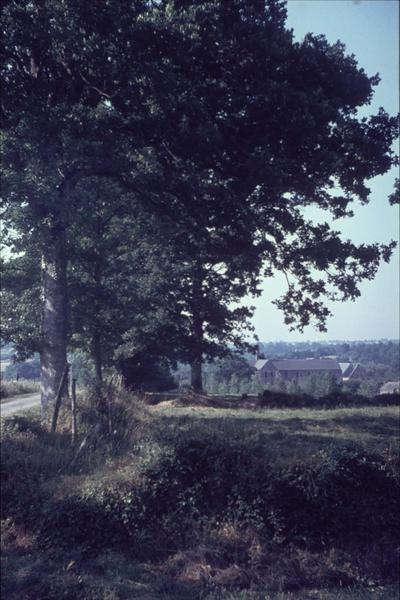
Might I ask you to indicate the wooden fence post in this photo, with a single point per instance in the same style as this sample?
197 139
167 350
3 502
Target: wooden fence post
73 410
57 402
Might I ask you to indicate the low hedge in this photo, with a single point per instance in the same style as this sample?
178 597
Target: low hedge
348 496
344 495
275 399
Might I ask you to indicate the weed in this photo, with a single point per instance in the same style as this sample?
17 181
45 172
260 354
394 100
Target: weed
231 504
8 389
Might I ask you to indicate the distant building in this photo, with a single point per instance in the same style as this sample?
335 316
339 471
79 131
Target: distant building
295 369
391 387
352 371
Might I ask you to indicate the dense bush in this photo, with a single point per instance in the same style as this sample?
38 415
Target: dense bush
175 478
275 399
346 496
30 456
197 498
337 399
197 502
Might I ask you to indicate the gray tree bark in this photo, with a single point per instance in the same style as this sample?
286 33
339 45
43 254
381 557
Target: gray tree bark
97 356
196 375
97 337
53 355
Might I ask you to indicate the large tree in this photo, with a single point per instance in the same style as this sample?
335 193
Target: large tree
58 74
213 116
257 130
121 281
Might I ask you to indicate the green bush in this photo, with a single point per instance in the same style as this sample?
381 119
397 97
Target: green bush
174 480
276 399
30 456
346 497
335 399
86 522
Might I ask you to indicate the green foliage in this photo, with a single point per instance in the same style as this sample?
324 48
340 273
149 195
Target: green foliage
82 369
148 374
107 134
347 496
340 399
20 301
28 457
284 504
228 375
7 351
26 370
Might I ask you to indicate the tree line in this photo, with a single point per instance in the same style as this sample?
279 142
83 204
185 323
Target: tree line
159 162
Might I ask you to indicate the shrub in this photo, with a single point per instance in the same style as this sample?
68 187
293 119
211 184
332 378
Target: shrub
346 497
335 399
30 456
14 388
192 480
82 522
170 480
358 494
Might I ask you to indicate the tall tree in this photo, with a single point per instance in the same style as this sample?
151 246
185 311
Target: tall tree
257 129
58 74
213 116
121 281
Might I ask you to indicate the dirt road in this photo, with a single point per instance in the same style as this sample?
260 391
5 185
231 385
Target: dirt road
19 404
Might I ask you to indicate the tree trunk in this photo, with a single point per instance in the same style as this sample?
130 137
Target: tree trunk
197 333
97 353
196 378
53 356
97 357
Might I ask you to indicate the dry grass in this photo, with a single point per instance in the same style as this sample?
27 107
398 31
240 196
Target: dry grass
9 389
202 573
374 593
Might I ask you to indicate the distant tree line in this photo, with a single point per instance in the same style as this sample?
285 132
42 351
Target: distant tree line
234 374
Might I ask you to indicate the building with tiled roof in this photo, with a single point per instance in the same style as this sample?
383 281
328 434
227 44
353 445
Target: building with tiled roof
292 369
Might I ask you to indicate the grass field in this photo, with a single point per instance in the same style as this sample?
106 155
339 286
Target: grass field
183 558
292 435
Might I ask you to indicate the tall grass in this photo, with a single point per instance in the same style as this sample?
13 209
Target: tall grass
8 389
160 505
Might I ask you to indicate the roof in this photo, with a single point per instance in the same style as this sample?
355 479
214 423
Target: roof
260 362
304 364
346 368
391 387
349 369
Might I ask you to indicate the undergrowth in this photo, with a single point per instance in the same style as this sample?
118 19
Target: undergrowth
186 512
8 389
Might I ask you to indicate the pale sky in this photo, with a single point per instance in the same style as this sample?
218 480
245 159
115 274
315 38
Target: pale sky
370 30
